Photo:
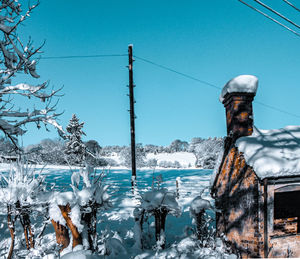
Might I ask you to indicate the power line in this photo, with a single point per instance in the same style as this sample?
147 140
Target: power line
279 14
171 70
269 17
212 85
290 4
177 72
277 109
85 56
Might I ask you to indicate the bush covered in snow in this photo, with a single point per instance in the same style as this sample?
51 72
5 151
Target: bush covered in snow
158 202
77 211
202 220
23 194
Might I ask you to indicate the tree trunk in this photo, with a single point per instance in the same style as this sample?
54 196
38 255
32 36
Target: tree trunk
11 227
25 221
77 239
200 225
90 219
62 235
160 222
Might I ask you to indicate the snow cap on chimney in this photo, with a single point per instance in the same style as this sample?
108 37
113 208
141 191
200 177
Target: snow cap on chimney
240 84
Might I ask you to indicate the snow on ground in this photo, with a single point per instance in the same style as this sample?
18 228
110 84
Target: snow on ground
240 84
185 159
119 221
272 153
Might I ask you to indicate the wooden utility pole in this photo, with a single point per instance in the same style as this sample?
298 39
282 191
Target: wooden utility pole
132 115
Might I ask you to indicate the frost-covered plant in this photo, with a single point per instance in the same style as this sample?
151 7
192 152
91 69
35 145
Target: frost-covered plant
17 56
201 219
159 202
77 210
111 245
189 247
21 193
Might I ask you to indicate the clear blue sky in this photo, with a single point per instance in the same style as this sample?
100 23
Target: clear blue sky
213 40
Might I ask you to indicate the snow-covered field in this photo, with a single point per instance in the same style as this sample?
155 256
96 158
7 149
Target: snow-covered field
116 225
184 159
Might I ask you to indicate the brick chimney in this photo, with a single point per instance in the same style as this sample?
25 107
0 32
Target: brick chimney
239 114
237 97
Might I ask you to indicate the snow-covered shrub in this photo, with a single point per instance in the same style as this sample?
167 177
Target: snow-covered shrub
158 203
111 245
201 219
190 247
22 195
77 210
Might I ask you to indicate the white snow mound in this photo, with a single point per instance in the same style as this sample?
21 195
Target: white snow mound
198 204
240 84
162 198
82 254
272 153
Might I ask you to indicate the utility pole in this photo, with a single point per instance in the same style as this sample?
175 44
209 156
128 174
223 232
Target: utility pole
132 115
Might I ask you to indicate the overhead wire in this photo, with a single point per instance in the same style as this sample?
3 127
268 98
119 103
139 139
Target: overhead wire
277 109
177 72
85 56
211 85
292 5
277 13
168 69
269 17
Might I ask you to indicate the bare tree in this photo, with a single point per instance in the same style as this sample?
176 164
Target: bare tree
18 56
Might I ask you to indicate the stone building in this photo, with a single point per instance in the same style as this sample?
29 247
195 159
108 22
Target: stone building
257 185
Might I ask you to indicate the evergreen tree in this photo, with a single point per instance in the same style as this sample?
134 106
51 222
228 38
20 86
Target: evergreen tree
74 144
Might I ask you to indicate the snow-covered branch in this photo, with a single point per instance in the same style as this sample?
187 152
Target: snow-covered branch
16 57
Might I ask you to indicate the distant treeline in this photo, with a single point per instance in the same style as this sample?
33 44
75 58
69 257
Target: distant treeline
53 151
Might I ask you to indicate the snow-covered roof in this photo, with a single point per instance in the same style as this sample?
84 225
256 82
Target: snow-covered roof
272 153
240 84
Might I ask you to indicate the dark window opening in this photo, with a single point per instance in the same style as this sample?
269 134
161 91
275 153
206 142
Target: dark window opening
287 212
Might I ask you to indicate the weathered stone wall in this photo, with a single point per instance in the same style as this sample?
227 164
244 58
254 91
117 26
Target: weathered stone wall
237 194
285 246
